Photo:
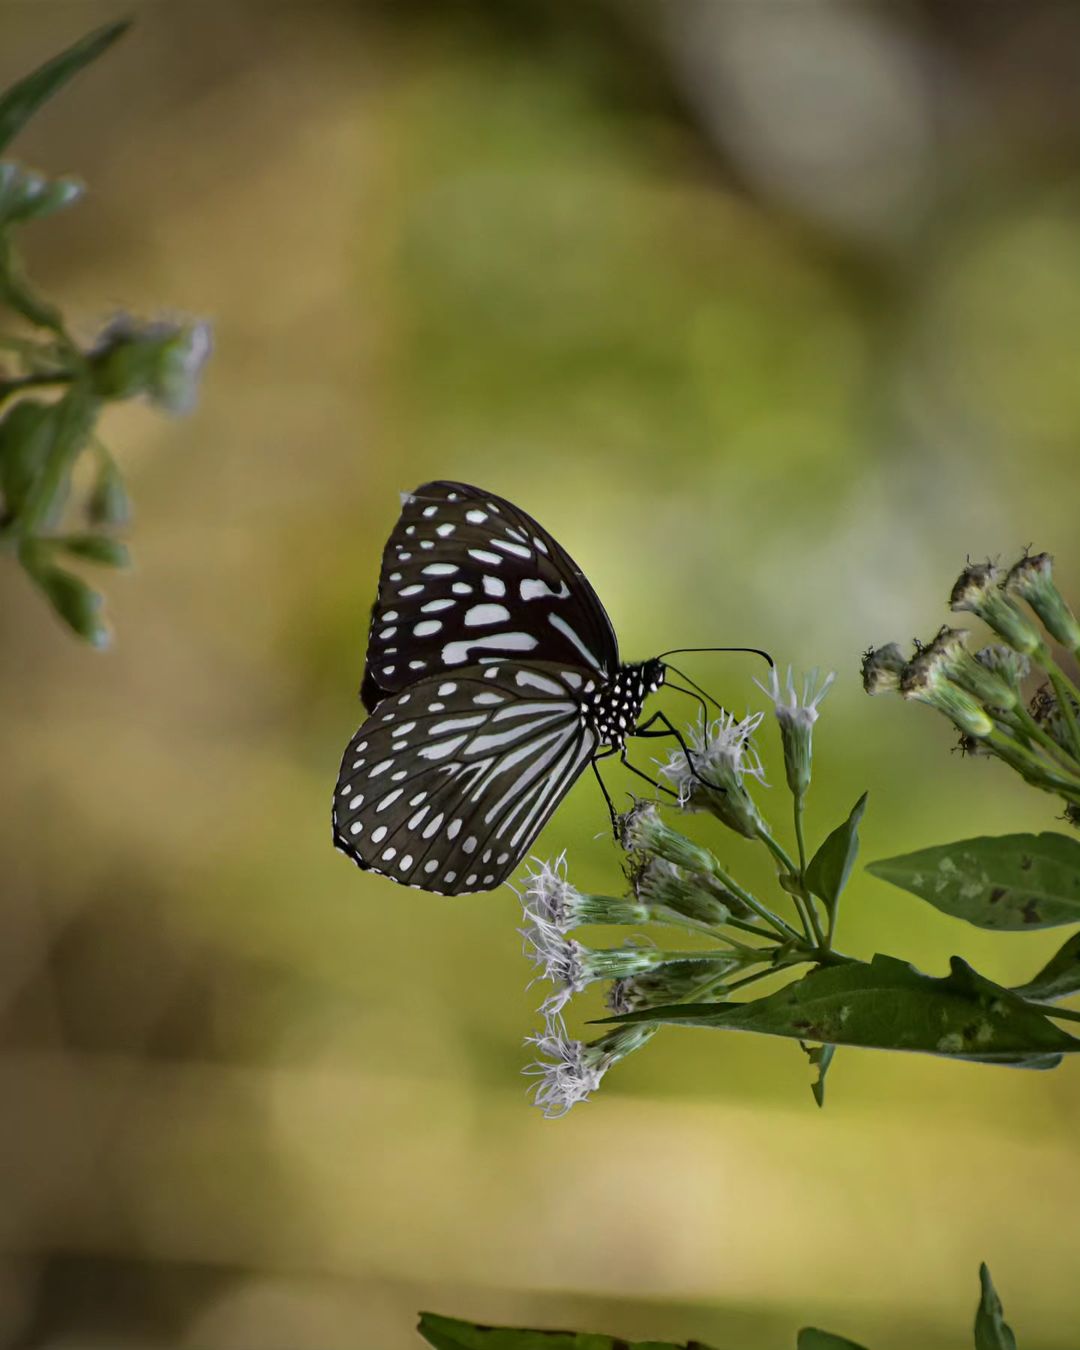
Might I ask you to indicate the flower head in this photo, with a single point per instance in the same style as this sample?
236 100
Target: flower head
550 901
1013 667
882 668
711 778
1032 579
796 714
571 965
162 361
978 589
570 1070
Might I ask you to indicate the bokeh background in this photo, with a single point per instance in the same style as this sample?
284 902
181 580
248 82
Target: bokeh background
770 312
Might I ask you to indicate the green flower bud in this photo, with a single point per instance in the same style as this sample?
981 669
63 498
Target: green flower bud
958 665
1032 579
977 589
642 830
668 983
77 604
925 680
1014 667
665 889
108 503
796 716
26 195
882 668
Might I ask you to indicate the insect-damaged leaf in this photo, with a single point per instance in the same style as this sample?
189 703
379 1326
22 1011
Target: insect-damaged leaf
992 1332
1012 881
1058 978
448 1333
831 865
888 1005
810 1338
820 1057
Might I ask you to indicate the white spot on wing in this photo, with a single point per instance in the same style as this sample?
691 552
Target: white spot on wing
494 586
426 628
482 555
456 652
483 614
440 569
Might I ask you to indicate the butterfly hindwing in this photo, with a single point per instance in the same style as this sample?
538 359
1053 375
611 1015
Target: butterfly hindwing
449 781
468 577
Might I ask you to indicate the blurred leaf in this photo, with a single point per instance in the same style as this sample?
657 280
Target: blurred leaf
76 603
810 1338
109 503
98 548
992 1332
820 1057
447 1333
25 195
23 99
888 1005
828 871
1058 978
25 438
1011 881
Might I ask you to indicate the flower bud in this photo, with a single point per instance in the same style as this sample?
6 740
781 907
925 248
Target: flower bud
1014 667
958 665
977 589
882 668
796 715
665 890
26 195
668 983
642 830
925 680
1032 579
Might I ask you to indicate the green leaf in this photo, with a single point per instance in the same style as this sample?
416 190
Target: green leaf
1058 978
828 871
77 604
447 1333
992 1332
25 439
23 99
98 548
1013 881
888 1005
820 1057
810 1338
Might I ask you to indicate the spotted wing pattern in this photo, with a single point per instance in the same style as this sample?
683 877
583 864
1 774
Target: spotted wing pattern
448 782
468 578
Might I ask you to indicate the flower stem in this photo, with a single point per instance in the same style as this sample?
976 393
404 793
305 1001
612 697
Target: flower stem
773 920
1027 724
1066 695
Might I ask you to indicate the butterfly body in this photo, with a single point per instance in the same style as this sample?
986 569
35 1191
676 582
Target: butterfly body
492 680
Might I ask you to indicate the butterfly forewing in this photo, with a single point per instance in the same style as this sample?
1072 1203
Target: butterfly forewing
468 578
448 782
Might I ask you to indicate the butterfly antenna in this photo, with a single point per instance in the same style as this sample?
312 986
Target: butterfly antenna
754 651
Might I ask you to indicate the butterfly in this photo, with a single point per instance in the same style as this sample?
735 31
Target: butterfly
492 679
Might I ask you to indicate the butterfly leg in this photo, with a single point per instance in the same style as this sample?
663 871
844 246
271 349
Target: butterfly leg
641 772
603 788
670 730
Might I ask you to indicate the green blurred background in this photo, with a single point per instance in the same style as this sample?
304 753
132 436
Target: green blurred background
769 311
